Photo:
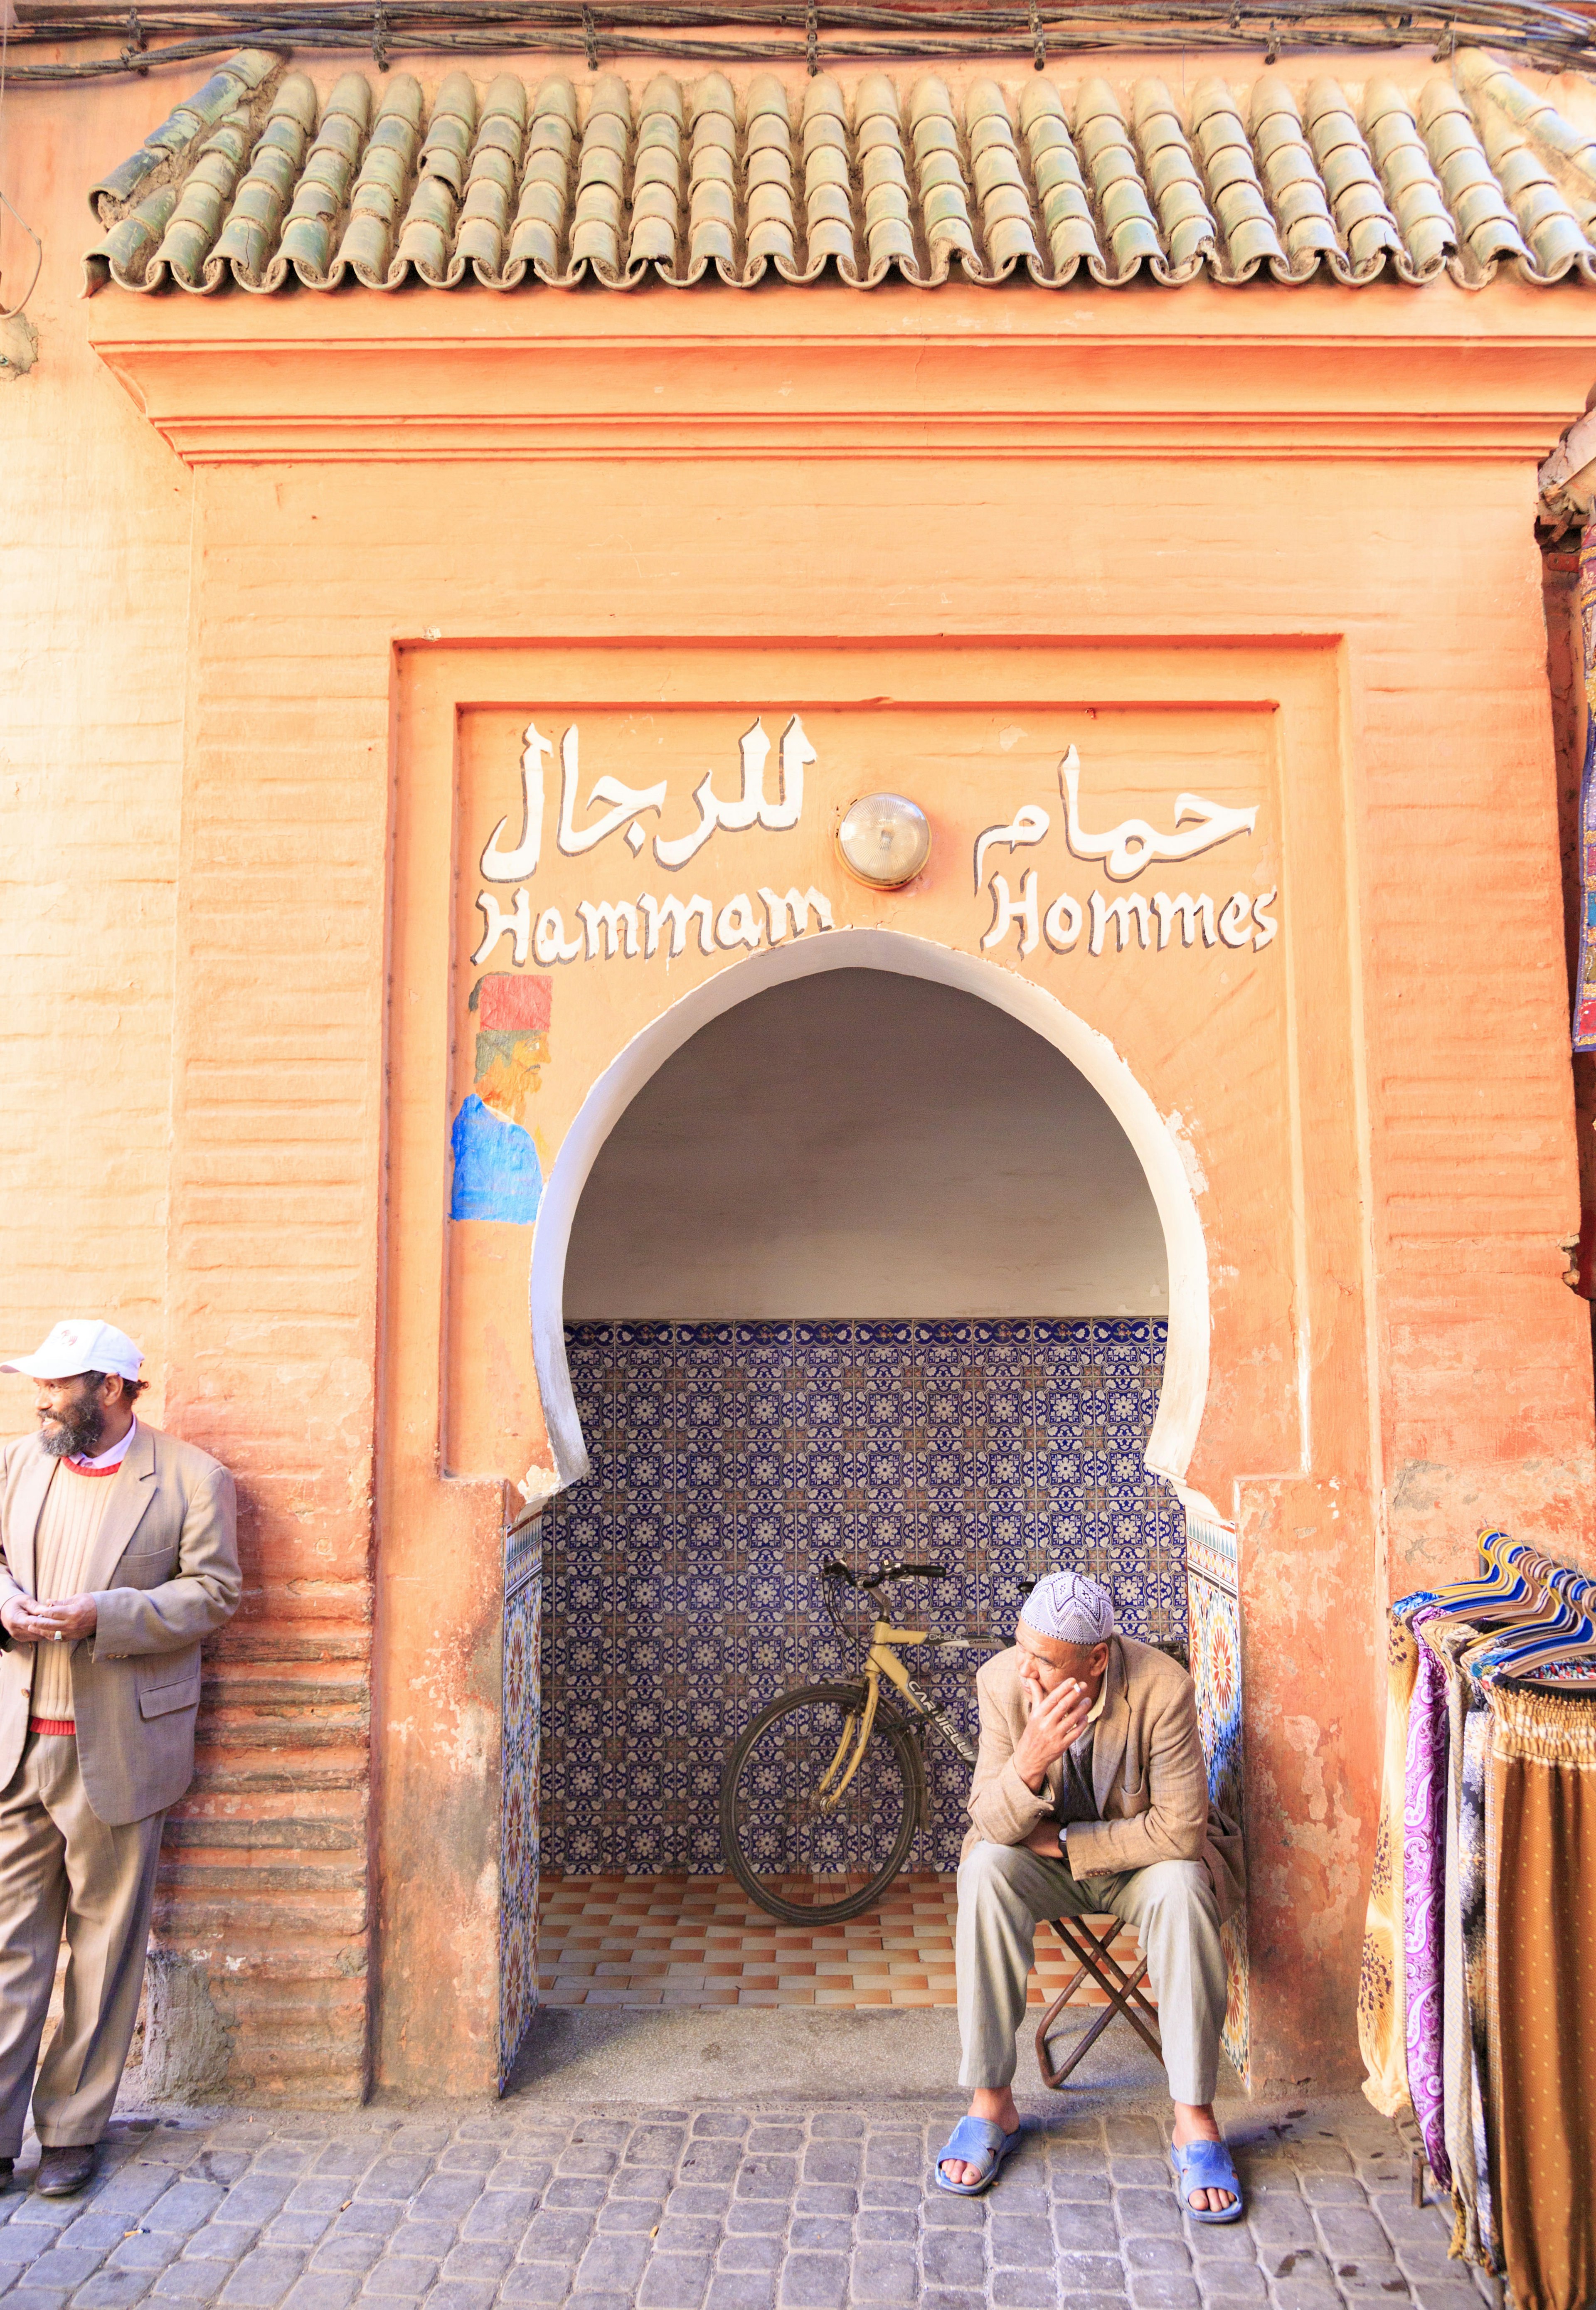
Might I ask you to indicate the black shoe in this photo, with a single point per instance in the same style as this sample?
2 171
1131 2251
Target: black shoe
7 2166
62 2171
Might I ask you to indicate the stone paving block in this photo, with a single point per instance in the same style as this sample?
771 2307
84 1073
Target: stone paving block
469 2158
145 2250
131 2189
1351 2230
1091 2273
1283 2222
650 2184
1333 2189
814 2281
767 2178
835 2125
1085 2229
94 2228
745 2216
64 2267
188 2282
1162 2253
1447 2294
894 2157
108 2289
1232 2282
422 2241
556 2237
446 2196
403 2276
1371 2280
767 2140
37 2216
820 2234
942 2298
220 2242
611 2265
942 2209
375 2218
710 2160
719 2124
872 2193
1134 2136
1024 2289
888 2225
317 2195
261 2280
637 2216
1020 2241
656 2145
882 2273
394 2177
463 2294
1161 2290
741 2289
323 2289
674 2281
354 2253
1152 2210
752 2251
1144 2173
29 2296
691 2198
833 2161
502 2214
1303 2293
541 2283
955 2258
587 2158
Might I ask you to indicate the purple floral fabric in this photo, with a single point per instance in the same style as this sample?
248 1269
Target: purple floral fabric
1424 1895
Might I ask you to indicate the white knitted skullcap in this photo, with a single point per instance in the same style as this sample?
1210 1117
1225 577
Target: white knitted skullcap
1071 1609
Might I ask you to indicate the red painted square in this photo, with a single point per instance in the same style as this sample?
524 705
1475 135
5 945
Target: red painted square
515 999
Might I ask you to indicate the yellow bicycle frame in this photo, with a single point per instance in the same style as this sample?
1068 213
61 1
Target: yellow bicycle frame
879 1662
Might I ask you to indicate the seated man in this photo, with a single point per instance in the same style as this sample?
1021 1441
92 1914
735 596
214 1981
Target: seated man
1091 1796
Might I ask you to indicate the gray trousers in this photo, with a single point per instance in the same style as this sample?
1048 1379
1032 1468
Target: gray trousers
1005 1890
62 1866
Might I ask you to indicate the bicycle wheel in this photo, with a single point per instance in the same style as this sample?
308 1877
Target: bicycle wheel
797 1860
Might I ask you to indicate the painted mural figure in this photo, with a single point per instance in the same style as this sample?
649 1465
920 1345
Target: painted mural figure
118 1554
1090 1797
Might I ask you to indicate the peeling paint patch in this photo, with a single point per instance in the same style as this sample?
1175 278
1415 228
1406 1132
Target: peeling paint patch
1175 1123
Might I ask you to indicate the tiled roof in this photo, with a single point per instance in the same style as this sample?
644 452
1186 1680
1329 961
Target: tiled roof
258 180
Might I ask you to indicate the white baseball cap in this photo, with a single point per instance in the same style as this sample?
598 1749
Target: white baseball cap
80 1345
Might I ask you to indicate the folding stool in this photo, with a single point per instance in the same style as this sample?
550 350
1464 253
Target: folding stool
1123 1992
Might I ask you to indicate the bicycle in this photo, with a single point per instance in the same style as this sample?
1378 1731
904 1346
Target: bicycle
825 1789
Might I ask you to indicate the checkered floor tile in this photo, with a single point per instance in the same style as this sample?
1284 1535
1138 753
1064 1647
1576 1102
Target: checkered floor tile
700 1941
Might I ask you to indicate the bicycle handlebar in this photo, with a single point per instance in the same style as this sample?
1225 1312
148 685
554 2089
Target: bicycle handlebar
833 1570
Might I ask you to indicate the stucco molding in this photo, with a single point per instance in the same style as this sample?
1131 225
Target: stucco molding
802 376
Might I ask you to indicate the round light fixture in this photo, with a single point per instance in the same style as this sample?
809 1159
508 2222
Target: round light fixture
885 840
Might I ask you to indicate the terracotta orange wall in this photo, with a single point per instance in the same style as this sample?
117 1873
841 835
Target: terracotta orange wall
239 636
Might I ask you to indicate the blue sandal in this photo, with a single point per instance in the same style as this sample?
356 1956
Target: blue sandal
1206 2166
975 2141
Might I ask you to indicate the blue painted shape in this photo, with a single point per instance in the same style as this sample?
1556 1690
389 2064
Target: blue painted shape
497 1173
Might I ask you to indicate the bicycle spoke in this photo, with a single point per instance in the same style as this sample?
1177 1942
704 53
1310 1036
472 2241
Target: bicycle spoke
795 1834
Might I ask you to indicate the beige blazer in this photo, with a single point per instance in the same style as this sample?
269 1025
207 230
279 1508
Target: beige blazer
1148 1774
164 1572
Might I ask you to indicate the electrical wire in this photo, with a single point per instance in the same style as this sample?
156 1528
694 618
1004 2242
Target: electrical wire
10 312
164 33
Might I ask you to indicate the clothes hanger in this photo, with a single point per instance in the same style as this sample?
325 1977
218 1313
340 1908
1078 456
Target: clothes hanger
1507 1584
1560 1640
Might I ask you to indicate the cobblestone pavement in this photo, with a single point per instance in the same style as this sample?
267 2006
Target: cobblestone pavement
784 2207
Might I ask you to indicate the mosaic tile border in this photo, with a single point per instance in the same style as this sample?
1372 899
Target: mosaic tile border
518 1834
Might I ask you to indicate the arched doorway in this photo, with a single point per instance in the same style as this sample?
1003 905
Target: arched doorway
858 1264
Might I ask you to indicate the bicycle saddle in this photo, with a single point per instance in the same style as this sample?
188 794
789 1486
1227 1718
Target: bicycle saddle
836 1571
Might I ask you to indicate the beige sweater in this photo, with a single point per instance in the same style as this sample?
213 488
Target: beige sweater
73 1508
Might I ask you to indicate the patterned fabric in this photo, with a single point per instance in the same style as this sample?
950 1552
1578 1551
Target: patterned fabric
518 1816
1479 2243
1212 1589
1584 981
1541 1965
731 1460
1382 1988
1423 1872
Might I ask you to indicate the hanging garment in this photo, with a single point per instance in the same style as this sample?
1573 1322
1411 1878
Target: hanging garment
1480 2243
1382 2007
1457 2127
1542 1995
1424 1901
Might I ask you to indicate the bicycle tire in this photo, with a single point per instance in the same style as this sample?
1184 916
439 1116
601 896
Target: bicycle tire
898 1740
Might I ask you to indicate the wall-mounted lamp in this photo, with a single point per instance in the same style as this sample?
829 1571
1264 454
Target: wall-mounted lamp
885 840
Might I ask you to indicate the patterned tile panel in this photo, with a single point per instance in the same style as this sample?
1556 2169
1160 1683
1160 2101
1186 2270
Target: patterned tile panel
1215 1609
520 1803
731 1460
263 180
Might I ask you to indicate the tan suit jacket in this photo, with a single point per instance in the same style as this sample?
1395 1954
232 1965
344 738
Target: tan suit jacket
163 1572
1149 1776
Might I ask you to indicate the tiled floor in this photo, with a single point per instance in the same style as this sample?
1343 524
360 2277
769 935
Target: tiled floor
700 1941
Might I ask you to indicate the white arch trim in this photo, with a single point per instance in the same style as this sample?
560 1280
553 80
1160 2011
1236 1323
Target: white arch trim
1186 1365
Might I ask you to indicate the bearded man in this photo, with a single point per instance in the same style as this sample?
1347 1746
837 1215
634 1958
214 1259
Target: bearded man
1090 1798
118 1554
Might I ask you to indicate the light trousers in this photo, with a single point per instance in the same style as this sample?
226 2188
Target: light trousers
62 1867
1005 1890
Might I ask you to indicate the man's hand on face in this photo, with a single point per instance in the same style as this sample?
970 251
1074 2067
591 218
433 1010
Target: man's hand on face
68 1619
1057 1722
